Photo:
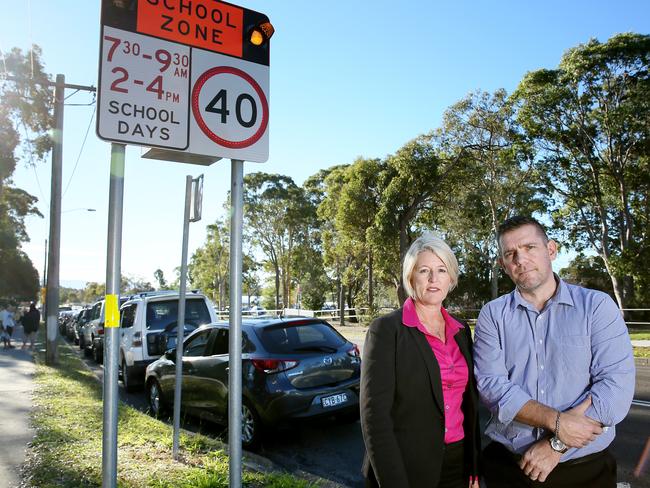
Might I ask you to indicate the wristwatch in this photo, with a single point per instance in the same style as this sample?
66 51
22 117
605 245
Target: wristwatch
556 444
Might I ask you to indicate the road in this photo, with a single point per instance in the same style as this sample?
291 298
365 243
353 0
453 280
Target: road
334 451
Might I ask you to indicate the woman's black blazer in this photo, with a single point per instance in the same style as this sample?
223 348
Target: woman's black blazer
402 410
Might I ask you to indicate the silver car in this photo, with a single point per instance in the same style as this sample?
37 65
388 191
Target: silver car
291 369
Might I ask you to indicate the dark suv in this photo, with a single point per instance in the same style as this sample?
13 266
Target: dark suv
291 369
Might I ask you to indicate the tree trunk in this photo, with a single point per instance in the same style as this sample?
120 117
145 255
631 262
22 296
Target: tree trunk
371 303
619 292
494 280
277 288
342 305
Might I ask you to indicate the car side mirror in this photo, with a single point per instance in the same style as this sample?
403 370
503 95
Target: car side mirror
171 353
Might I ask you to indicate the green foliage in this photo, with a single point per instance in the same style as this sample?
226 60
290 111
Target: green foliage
70 295
18 277
409 185
571 144
348 212
277 215
25 119
93 292
590 119
160 279
588 271
489 178
209 265
130 285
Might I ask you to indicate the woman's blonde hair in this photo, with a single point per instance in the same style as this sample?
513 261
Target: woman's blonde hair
428 242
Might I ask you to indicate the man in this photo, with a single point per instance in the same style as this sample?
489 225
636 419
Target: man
30 321
7 322
554 365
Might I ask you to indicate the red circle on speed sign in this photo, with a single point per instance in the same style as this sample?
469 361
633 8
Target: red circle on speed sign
204 126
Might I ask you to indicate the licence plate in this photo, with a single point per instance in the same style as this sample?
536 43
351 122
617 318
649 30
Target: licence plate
333 400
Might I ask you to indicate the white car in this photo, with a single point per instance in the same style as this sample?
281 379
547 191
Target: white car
148 324
91 337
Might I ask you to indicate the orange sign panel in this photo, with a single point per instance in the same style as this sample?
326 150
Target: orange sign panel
208 24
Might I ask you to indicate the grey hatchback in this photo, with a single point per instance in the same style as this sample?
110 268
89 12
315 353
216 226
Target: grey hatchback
291 369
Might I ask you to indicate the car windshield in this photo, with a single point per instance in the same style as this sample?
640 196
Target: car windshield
163 314
301 337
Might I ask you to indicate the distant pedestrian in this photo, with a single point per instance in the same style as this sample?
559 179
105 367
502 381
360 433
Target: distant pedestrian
8 324
30 322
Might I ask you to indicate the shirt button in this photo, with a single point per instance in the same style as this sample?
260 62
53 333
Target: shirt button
541 367
446 407
542 392
540 341
445 429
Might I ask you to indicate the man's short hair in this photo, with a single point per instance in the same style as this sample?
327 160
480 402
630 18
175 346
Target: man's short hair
428 242
519 221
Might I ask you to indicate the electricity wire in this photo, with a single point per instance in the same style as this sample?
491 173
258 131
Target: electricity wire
83 144
31 40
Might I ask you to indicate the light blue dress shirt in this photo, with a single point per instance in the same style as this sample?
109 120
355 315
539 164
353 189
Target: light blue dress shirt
578 345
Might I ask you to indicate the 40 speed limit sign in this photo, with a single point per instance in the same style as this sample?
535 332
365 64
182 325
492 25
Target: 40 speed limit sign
230 108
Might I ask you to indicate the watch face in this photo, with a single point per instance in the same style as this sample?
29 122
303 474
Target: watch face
558 445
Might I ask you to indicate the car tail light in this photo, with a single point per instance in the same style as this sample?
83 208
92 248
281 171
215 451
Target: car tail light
137 339
354 351
100 331
269 366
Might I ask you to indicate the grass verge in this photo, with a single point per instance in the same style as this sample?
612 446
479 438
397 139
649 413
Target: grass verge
642 352
67 449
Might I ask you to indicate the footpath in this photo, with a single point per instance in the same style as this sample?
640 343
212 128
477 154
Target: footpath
16 385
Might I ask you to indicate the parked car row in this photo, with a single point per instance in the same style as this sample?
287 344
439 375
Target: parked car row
291 368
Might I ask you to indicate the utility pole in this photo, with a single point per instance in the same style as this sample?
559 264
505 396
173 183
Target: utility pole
52 293
53 258
44 280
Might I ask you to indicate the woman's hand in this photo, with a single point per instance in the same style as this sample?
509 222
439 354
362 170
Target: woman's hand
473 482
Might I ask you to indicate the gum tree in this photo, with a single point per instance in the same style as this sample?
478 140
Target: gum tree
591 120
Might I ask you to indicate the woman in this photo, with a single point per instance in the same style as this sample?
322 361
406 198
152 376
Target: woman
419 404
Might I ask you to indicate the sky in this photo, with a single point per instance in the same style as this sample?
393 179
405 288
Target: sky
347 79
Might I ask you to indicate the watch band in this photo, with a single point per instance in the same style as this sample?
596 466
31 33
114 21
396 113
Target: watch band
557 424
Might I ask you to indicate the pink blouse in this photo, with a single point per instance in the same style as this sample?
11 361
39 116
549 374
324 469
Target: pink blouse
453 368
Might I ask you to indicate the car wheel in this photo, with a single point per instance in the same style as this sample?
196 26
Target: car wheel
251 427
98 354
157 406
127 378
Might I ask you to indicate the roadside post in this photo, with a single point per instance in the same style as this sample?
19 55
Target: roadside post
190 81
112 315
234 335
193 201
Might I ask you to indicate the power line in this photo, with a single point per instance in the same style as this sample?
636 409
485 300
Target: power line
71 94
80 150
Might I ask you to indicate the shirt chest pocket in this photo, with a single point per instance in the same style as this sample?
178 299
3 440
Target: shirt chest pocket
572 352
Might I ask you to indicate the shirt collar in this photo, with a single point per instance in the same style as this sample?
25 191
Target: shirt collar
410 319
562 295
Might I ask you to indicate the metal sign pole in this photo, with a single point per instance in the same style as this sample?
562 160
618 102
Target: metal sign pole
180 323
112 316
234 344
